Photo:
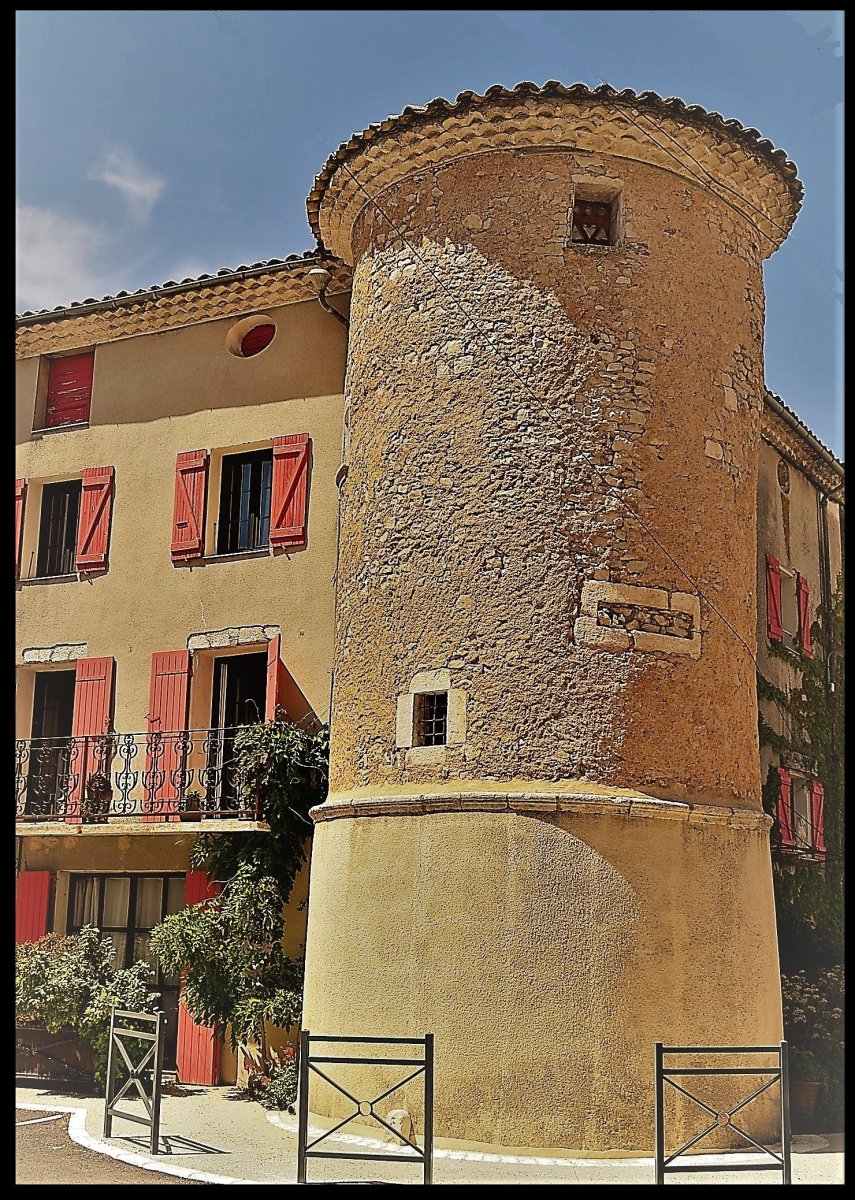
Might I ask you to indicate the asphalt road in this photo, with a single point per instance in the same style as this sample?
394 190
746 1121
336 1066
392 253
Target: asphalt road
44 1153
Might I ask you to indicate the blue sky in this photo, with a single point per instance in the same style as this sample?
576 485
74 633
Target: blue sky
157 145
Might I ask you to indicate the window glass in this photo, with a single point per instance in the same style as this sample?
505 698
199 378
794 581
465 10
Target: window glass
116 894
149 898
60 514
85 910
175 894
244 517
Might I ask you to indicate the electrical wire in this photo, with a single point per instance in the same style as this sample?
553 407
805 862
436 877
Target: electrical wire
609 488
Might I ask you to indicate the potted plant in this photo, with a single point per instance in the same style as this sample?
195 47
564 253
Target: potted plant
805 1083
190 805
98 794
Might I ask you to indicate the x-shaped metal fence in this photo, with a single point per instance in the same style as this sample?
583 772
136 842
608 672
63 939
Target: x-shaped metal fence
150 1064
722 1119
422 1066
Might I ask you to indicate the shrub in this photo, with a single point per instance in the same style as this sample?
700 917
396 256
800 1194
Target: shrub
273 1082
69 981
813 1012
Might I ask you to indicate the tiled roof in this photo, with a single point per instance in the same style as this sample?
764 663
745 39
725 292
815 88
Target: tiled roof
797 424
413 115
265 266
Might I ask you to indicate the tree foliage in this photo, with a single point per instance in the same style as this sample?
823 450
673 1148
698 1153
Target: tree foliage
228 949
69 982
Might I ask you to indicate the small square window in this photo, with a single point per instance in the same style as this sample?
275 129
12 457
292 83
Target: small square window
592 222
244 518
430 719
60 514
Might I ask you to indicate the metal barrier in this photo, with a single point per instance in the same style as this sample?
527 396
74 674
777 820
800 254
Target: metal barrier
151 1063
364 1108
722 1120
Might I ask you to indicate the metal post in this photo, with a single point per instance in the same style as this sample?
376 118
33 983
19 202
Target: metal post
111 1072
660 1114
302 1104
428 1142
785 1114
155 1088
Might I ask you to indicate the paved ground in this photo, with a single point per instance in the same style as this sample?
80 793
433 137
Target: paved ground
225 1140
44 1153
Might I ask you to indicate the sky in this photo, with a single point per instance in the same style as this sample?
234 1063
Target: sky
159 145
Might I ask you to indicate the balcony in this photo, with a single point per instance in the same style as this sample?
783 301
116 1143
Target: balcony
146 779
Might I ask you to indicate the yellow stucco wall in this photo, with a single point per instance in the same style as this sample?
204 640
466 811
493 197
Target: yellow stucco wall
546 955
153 397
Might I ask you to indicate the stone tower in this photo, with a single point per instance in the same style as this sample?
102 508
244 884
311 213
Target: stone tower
544 839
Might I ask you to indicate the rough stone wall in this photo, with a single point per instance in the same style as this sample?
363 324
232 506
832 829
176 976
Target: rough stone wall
471 515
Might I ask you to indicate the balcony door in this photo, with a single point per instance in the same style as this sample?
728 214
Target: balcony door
240 686
53 710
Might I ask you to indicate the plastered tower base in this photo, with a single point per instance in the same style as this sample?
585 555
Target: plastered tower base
581 941
583 868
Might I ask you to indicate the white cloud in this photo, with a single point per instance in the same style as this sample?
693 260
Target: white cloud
54 258
139 188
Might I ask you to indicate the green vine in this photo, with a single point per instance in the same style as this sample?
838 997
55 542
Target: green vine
809 898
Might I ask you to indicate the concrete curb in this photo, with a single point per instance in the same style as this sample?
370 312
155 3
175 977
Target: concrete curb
78 1133
289 1125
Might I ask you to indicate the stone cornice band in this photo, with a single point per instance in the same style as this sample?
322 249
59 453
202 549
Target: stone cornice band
534 803
749 173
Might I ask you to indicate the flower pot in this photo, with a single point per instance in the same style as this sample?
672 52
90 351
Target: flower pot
803 1094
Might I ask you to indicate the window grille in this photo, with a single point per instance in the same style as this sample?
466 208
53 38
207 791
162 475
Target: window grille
592 222
430 719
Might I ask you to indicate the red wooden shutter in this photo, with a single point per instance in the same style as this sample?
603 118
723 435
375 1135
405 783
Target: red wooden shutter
773 599
96 507
92 714
275 678
289 505
785 808
188 514
803 593
20 497
817 815
166 756
31 905
198 1054
69 392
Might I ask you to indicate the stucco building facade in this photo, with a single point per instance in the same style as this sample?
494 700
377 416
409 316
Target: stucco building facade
520 518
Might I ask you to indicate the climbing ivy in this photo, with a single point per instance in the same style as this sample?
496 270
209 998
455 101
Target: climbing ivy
809 900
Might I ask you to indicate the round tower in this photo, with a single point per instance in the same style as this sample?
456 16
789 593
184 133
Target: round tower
544 839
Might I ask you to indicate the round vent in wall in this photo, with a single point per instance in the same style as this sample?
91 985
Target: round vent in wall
250 336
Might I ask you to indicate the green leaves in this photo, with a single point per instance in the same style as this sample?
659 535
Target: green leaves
70 982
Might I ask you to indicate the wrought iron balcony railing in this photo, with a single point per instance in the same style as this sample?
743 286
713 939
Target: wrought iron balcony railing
190 775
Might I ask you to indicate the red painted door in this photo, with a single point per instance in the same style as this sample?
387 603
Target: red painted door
198 1054
32 904
92 752
166 749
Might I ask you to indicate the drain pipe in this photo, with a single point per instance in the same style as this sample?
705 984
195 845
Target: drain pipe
322 275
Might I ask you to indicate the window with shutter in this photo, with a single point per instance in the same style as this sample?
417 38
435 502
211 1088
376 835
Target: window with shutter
166 744
32 905
20 498
96 507
58 525
803 595
290 500
785 809
69 390
817 805
773 599
188 517
94 685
